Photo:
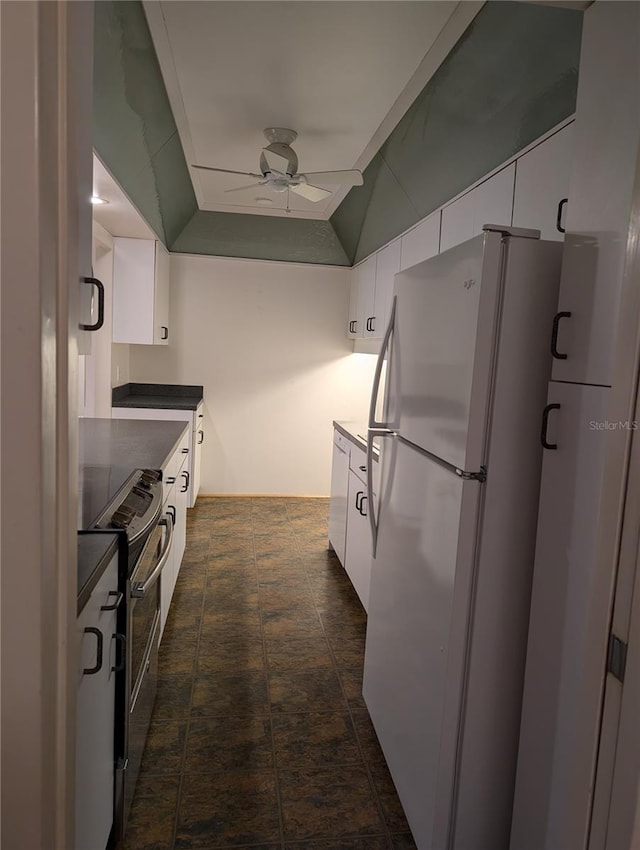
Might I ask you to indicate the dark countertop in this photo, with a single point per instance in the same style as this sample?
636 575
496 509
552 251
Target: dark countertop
95 551
111 449
162 396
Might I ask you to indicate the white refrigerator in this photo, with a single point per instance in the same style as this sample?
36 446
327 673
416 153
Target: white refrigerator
468 362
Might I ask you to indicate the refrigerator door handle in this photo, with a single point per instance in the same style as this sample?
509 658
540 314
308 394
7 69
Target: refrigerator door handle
371 509
373 423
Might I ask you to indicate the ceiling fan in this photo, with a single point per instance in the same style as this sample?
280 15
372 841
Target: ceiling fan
279 169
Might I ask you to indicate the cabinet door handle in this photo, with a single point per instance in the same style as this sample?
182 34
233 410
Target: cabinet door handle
545 422
171 480
185 451
361 508
362 468
93 281
165 332
90 630
359 496
559 355
352 326
119 597
561 206
371 324
186 482
121 641
201 440
171 510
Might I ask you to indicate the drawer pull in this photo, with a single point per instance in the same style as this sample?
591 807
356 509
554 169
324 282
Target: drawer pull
362 468
545 422
121 641
119 597
561 205
98 665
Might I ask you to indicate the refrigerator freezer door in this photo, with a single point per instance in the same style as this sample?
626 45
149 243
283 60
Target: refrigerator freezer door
416 631
442 350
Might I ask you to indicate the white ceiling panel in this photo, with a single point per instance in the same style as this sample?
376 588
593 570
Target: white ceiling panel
332 71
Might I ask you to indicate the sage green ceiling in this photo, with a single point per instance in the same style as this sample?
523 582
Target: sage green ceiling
135 134
512 76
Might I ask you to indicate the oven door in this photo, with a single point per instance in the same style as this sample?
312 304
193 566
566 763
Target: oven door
143 625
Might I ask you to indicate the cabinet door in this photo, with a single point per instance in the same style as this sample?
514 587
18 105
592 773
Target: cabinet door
180 531
170 570
489 203
339 494
352 321
600 192
387 266
422 242
566 549
161 297
95 715
140 291
196 455
358 549
542 184
366 296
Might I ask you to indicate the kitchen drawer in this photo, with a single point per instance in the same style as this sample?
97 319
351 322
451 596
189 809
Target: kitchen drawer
341 441
175 463
358 465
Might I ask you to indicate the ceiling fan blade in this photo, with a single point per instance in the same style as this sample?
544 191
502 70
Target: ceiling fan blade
311 193
344 178
226 171
242 188
277 164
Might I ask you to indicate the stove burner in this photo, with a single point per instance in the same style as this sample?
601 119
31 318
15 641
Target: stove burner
122 516
149 477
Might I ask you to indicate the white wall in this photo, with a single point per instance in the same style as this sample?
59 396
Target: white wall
267 341
120 365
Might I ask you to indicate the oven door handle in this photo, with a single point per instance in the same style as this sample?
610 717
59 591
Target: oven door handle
141 588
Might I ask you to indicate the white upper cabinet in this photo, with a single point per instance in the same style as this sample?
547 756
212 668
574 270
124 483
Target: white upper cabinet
607 135
387 266
420 243
362 301
367 296
352 321
489 203
542 185
140 292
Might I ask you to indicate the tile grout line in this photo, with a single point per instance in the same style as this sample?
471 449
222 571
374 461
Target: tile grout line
193 685
267 683
372 786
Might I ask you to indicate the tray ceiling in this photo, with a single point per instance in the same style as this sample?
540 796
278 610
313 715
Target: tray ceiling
339 73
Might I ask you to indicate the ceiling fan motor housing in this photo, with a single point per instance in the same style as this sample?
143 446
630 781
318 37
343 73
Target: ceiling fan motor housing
281 150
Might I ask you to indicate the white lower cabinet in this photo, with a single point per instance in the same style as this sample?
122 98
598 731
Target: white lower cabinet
339 494
95 713
176 487
195 418
349 530
358 550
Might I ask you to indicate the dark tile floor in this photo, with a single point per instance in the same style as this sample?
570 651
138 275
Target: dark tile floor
260 737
